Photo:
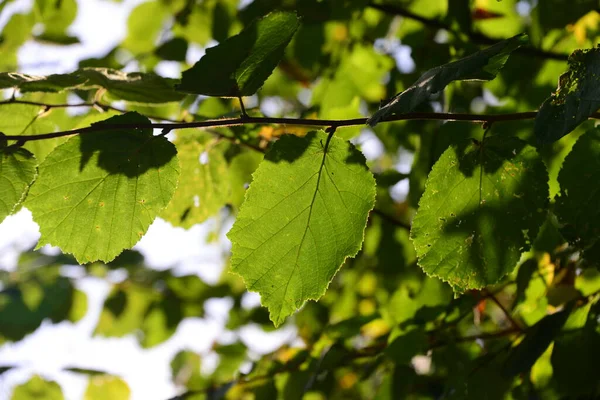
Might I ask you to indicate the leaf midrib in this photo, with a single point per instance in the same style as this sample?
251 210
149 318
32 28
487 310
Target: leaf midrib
312 202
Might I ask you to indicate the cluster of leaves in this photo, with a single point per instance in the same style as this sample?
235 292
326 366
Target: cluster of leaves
502 218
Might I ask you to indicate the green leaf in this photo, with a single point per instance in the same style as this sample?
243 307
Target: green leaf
576 206
144 25
161 321
33 83
240 174
231 356
537 340
56 15
482 65
557 14
204 184
21 119
173 50
123 311
97 194
407 345
304 214
133 86
240 65
483 205
16 32
185 370
576 98
38 388
106 387
574 360
18 169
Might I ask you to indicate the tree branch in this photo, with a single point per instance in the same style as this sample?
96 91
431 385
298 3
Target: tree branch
474 36
227 122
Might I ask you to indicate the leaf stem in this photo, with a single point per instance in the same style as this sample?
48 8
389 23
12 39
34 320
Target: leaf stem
243 108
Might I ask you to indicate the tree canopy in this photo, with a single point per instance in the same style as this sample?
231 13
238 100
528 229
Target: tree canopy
408 184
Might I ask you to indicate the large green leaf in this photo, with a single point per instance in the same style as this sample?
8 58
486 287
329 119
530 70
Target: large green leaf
576 207
483 204
577 97
38 388
98 194
204 185
240 65
18 168
133 86
304 214
482 65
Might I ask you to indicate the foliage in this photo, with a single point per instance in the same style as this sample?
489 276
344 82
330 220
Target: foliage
478 279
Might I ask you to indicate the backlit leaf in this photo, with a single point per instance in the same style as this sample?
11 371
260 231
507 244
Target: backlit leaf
18 168
123 311
106 387
240 65
483 65
98 194
38 388
482 205
204 184
577 97
304 214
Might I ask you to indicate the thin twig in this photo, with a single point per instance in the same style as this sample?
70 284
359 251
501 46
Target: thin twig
506 313
391 219
479 336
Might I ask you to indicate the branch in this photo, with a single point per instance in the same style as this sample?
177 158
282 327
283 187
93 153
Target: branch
507 314
474 36
391 219
337 123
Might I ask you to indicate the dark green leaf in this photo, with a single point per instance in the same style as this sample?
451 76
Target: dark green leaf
576 98
574 360
537 340
482 206
173 50
576 207
483 65
407 345
240 65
